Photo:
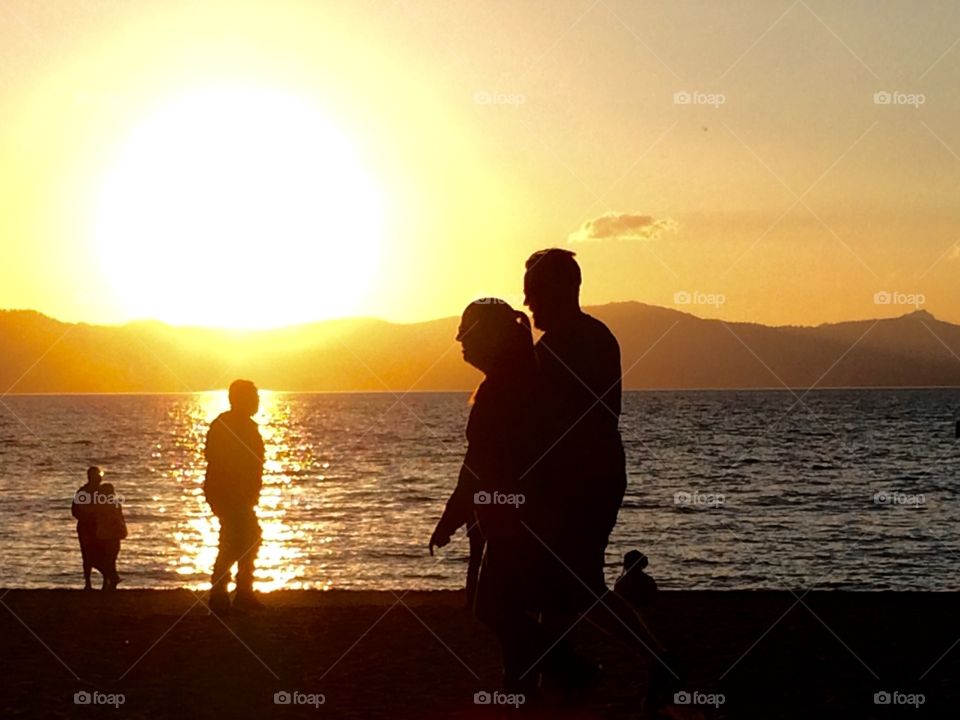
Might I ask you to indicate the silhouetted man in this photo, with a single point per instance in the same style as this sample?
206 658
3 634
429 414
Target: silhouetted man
584 467
234 453
84 510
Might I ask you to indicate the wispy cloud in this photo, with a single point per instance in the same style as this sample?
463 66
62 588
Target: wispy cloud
623 226
954 253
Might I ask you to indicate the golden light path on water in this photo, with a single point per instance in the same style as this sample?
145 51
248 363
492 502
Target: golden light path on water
279 561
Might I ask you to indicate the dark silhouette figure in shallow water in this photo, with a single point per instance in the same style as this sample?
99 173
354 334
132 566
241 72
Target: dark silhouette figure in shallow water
235 454
579 377
111 529
492 491
100 528
634 584
82 509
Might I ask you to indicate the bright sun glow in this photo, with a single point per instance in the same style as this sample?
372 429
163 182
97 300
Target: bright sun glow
239 208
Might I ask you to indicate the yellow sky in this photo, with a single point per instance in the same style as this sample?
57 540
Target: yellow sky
750 161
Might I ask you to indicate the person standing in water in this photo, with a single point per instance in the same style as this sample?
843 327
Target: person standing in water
83 510
234 452
111 529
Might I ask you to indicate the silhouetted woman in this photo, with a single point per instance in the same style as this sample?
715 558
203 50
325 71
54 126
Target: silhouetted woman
495 483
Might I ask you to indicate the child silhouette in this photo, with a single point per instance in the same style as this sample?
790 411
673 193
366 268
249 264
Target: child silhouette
634 584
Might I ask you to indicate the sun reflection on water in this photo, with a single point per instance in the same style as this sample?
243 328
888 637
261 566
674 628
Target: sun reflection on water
279 563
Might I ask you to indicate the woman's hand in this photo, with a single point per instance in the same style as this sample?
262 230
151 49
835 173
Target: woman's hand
438 539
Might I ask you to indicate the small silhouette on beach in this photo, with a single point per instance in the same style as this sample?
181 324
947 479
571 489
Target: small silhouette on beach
634 584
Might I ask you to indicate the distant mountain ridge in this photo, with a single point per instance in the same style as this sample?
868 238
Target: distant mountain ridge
662 348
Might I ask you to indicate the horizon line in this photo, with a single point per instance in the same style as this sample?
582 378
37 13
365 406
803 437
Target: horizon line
371 318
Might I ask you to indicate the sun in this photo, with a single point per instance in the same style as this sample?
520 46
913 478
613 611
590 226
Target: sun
238 208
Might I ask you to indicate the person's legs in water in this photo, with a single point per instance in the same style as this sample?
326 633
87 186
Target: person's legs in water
226 557
110 549
87 562
248 544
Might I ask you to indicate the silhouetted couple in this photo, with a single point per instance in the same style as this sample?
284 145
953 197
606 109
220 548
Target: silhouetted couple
100 528
543 477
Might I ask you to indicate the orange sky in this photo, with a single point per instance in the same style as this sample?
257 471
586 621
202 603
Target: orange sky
779 161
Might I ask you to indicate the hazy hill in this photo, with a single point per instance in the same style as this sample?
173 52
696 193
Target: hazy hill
662 348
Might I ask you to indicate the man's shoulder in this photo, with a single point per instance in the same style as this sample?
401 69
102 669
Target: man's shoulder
585 332
597 335
219 419
593 325
234 421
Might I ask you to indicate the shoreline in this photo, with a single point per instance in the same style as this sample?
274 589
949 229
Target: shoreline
420 654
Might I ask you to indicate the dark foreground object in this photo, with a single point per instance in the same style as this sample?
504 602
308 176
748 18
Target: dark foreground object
420 656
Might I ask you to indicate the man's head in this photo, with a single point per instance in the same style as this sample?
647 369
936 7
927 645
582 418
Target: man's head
94 476
244 397
551 287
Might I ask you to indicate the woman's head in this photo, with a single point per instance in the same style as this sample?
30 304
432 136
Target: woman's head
495 336
94 476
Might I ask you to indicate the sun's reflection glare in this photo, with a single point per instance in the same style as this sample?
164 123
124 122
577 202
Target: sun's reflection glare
278 562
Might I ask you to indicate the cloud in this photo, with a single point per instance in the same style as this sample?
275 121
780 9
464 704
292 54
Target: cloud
623 226
954 253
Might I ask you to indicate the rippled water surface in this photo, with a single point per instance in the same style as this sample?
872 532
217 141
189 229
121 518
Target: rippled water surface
846 489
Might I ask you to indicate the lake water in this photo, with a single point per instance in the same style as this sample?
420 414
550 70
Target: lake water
728 490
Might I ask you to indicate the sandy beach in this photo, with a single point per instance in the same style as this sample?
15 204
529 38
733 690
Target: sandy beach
421 655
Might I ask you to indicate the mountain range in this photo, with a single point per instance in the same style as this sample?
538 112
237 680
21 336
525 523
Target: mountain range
662 348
